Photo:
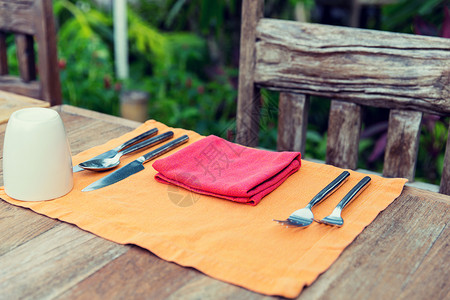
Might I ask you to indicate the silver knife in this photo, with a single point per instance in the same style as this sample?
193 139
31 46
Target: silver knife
134 166
112 152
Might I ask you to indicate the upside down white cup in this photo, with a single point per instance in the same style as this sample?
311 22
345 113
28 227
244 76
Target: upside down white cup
37 162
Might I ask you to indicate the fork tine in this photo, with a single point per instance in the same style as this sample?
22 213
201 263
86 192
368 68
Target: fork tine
288 223
281 221
304 217
296 224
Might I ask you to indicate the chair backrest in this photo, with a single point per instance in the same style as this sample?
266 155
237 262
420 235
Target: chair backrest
31 22
407 74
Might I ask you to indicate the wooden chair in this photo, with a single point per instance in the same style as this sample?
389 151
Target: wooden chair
407 74
31 22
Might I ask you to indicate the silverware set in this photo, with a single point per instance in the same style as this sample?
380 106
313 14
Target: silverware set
111 158
300 218
121 147
304 216
103 164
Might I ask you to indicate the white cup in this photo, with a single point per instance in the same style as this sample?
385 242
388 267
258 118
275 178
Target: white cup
37 162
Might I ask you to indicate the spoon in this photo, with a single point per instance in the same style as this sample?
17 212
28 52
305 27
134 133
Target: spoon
119 148
112 162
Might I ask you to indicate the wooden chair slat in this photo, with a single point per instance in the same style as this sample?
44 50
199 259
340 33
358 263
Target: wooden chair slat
26 57
403 144
48 55
367 67
247 119
17 85
3 55
32 23
17 16
344 127
292 122
445 180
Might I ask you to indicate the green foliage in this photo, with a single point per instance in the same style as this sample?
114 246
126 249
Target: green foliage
159 64
431 150
87 72
181 99
13 65
399 17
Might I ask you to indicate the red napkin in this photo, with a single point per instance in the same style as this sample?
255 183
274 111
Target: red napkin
216 167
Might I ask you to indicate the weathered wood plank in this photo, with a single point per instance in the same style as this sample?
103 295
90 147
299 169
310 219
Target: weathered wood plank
416 286
9 103
17 16
292 122
52 261
47 53
23 225
344 127
249 103
140 274
362 66
445 180
26 57
3 55
402 145
17 85
83 113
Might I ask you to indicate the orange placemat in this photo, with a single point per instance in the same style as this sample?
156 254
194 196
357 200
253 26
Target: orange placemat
236 243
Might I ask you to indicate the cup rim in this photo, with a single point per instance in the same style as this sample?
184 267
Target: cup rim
35 115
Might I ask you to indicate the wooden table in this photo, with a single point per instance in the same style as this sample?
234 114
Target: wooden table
403 254
10 102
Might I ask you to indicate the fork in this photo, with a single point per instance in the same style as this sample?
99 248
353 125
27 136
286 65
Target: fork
304 217
335 218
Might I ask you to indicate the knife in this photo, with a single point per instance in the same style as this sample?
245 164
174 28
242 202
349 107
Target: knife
134 166
112 152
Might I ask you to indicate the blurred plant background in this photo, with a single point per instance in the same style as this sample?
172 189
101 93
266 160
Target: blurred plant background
184 54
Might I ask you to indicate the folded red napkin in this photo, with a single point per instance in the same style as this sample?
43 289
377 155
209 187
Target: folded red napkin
216 167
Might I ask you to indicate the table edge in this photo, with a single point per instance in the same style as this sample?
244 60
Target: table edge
65 108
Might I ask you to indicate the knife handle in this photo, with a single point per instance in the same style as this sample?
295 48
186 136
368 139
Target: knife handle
142 136
165 148
329 189
149 142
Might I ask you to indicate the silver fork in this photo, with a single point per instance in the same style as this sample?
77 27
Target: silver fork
304 217
335 218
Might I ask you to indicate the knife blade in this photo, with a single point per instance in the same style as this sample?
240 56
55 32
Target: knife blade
134 166
112 152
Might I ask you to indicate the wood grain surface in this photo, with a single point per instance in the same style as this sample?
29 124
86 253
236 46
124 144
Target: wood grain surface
344 127
3 55
402 144
403 254
17 16
293 122
9 103
247 119
368 67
